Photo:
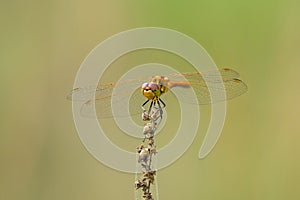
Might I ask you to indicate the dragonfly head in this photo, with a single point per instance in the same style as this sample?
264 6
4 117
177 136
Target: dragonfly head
151 90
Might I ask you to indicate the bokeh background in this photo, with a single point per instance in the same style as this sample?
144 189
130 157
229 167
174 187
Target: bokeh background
42 46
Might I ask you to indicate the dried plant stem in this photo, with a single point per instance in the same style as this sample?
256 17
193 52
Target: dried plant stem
146 150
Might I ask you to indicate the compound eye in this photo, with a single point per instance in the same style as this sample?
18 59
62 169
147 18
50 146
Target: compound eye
145 85
153 86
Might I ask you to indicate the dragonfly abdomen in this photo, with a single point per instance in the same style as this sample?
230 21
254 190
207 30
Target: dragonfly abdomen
183 84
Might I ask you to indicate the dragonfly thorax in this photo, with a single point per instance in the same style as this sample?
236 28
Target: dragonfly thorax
157 86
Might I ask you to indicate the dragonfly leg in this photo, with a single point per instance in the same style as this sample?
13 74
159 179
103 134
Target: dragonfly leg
164 105
160 108
144 104
150 107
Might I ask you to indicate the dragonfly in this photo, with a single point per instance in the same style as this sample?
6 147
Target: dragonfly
153 90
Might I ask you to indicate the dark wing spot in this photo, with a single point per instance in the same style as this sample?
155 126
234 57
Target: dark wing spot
236 80
76 89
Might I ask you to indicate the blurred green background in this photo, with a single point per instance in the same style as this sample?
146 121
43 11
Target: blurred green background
42 46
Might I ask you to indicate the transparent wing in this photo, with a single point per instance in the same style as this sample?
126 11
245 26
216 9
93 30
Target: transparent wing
233 86
211 75
103 91
110 94
119 107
